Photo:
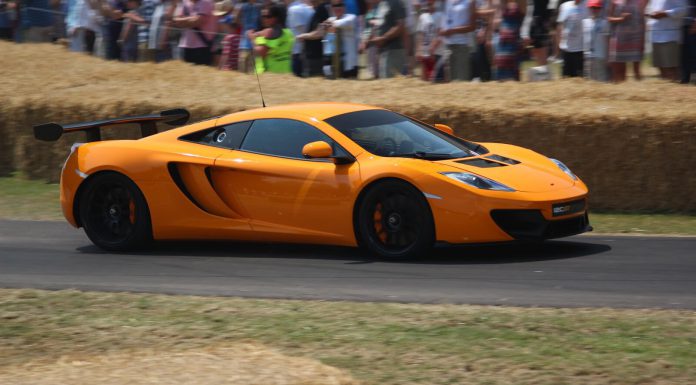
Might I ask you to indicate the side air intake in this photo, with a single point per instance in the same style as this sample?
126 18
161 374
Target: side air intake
196 183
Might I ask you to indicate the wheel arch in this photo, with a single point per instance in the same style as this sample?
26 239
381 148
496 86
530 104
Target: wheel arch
90 178
371 185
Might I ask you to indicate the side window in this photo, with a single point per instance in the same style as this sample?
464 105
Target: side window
229 136
284 137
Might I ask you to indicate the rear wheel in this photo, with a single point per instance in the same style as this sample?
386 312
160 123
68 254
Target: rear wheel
394 221
114 213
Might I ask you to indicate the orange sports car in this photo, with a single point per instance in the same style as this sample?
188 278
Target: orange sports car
323 173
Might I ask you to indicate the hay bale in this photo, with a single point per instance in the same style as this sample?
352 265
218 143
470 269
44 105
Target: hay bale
634 143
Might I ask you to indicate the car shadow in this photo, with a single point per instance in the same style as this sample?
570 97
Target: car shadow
474 254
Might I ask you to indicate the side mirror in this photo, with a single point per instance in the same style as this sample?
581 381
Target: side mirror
444 128
318 149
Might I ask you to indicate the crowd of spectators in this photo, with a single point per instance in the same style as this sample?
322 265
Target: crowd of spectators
441 40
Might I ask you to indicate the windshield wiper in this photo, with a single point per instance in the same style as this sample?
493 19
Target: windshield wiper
426 155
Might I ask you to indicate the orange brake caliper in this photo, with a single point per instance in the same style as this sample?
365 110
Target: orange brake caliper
131 209
377 217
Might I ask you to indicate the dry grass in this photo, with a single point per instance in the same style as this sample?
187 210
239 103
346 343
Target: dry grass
48 71
632 143
66 332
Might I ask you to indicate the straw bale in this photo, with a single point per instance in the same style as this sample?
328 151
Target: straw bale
240 364
634 143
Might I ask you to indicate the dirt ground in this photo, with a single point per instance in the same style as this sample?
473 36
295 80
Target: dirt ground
238 364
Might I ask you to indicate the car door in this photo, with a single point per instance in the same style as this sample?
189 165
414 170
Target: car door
283 193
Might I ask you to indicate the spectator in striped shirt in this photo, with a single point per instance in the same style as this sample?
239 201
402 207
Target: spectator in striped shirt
143 18
229 60
147 8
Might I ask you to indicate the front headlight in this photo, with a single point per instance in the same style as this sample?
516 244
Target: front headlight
477 181
564 168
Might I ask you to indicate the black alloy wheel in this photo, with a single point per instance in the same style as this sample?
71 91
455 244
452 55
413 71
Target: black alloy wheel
114 213
395 221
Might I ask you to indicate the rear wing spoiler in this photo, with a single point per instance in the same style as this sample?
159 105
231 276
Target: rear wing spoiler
51 132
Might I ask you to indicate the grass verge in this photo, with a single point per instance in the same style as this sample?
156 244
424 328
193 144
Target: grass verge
378 343
29 199
33 200
615 223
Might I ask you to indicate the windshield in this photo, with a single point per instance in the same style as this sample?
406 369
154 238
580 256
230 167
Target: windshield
386 133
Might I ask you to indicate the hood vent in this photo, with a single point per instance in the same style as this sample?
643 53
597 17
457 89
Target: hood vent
480 162
503 159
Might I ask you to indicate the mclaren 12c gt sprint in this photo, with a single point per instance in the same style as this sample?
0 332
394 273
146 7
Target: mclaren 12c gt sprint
319 173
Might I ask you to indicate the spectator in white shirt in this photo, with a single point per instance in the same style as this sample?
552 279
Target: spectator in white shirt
299 14
570 16
342 25
665 21
458 24
83 23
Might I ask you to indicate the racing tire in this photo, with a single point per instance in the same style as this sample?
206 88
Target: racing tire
394 221
114 213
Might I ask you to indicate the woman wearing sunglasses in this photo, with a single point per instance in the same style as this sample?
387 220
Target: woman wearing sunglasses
273 45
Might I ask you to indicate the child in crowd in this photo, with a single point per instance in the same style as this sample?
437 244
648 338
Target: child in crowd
229 60
222 12
428 45
507 52
596 43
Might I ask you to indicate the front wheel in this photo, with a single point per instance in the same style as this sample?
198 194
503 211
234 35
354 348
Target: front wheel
114 213
394 221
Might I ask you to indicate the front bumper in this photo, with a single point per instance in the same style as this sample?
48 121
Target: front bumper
530 225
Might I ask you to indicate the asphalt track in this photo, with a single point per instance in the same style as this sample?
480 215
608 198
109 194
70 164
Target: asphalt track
592 271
